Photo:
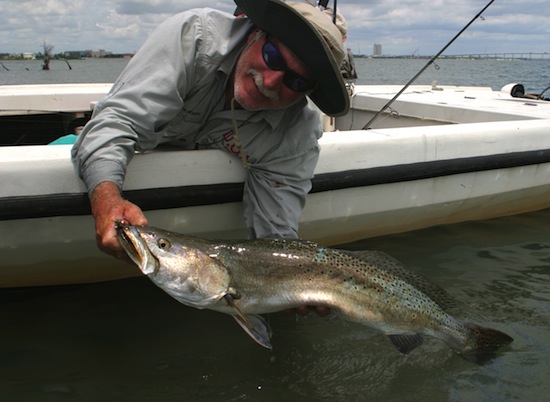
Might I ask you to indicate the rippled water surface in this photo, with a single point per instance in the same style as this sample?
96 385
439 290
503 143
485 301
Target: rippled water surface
533 74
128 341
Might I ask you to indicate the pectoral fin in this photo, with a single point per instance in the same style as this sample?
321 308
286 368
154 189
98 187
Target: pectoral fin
254 325
406 342
257 327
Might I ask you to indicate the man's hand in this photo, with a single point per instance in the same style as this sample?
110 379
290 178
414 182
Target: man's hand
305 310
108 206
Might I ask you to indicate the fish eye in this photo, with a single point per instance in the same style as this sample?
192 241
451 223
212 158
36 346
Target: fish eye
164 244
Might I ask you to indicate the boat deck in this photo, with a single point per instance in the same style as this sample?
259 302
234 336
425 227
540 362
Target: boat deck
49 98
421 105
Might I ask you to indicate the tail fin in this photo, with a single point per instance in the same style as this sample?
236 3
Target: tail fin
484 343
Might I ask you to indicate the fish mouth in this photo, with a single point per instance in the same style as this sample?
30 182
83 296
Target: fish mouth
135 247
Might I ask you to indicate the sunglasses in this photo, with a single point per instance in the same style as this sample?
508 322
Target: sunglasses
275 61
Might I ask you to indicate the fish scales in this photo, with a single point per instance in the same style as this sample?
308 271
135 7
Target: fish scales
248 278
316 275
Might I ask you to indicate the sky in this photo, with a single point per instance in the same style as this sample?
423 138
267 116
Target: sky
402 27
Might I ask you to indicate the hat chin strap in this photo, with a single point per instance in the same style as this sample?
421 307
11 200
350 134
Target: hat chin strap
259 34
250 41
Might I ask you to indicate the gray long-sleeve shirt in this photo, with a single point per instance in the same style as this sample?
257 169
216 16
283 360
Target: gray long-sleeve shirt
173 92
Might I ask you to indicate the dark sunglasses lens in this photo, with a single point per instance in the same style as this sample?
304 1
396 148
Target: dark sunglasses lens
272 57
296 82
275 61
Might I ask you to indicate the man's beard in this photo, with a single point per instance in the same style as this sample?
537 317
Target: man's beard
270 94
259 81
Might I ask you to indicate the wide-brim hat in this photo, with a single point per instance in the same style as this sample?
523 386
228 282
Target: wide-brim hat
312 36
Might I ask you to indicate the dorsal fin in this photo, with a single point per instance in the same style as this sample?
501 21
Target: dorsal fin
383 261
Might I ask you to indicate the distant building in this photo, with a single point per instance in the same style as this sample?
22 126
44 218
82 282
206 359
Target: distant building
377 51
99 53
28 56
74 54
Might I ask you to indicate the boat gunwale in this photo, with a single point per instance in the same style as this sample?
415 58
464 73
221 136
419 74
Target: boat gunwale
159 198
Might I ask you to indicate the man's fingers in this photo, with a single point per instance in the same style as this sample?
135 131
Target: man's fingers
305 310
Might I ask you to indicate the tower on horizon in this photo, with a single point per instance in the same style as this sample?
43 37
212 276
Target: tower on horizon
377 50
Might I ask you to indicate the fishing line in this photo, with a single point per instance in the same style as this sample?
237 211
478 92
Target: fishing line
432 60
540 97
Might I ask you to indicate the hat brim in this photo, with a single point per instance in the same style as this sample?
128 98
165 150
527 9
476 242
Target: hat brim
286 24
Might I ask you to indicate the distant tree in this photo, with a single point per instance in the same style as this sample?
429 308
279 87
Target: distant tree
48 49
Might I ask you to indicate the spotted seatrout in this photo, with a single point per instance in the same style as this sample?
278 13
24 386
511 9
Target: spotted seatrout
252 277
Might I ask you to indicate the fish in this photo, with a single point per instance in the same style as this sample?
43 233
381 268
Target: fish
249 278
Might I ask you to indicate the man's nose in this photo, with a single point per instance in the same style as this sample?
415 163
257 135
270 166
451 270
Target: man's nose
273 79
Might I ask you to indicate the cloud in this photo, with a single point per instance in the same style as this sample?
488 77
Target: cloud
405 26
401 26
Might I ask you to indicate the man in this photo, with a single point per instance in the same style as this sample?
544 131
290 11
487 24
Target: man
199 72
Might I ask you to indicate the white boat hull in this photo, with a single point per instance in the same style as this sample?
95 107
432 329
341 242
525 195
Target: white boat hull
367 183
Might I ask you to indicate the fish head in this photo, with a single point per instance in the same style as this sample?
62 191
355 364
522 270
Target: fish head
176 263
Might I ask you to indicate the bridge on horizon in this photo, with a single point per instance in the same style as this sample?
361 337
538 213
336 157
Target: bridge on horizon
501 56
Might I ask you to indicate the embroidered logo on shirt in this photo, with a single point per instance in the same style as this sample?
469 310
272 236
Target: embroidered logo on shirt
229 143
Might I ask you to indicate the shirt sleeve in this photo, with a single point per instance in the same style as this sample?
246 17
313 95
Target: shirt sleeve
144 99
275 189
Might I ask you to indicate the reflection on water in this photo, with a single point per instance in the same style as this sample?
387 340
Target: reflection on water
128 341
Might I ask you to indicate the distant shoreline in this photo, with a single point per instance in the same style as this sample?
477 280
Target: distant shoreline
473 56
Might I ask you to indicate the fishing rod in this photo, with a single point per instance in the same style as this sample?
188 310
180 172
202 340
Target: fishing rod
323 5
434 58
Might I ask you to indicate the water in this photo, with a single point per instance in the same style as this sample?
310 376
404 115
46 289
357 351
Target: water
22 72
533 74
128 341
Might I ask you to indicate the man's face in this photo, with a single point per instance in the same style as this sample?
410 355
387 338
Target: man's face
259 87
